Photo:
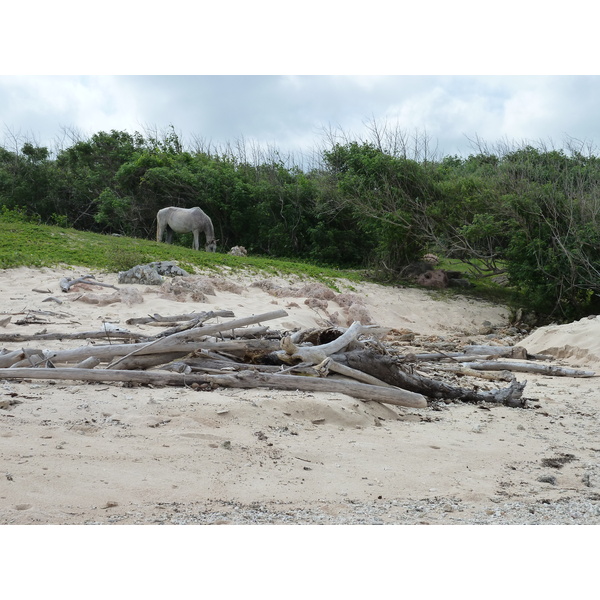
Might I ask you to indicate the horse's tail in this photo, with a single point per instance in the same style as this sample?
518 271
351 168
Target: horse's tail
160 226
209 230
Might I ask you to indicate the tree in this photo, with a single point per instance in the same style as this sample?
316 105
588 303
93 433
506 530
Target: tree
384 195
86 170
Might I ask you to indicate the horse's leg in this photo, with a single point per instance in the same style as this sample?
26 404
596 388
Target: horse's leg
196 244
169 235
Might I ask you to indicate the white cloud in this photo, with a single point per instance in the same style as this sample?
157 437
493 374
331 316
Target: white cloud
40 107
292 112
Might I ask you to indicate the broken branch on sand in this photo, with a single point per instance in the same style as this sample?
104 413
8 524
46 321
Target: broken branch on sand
492 365
165 343
83 335
387 369
313 354
242 379
156 318
66 283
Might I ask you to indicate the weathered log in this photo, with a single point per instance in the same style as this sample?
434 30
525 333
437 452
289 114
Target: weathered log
247 332
88 363
110 352
330 365
318 336
169 343
237 367
8 359
189 324
201 358
425 356
156 318
244 379
438 356
387 369
462 370
177 367
510 351
66 283
32 357
249 350
82 335
315 354
493 365
471 353
179 328
356 389
217 364
139 362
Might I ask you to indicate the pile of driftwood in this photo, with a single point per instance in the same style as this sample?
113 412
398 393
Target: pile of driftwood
245 353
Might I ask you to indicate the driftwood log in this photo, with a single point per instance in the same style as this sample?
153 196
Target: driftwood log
66 283
243 379
82 335
193 323
492 365
471 353
503 375
387 369
315 354
10 358
156 318
110 352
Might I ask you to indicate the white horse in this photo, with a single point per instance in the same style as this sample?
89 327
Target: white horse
186 220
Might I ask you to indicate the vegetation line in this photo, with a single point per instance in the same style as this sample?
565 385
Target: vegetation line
528 214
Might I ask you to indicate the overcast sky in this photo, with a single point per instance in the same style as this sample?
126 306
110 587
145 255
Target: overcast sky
292 113
517 98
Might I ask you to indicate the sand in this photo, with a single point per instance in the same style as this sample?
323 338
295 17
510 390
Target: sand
78 453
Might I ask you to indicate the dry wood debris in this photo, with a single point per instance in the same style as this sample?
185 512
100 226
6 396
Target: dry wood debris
66 283
246 353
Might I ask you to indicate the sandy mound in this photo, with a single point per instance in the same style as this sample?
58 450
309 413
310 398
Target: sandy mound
577 343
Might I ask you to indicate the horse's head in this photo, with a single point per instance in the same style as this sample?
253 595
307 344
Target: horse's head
211 246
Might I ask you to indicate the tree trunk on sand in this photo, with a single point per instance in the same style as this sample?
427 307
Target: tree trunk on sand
386 369
107 353
492 365
244 379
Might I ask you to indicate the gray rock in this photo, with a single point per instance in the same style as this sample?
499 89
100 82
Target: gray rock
548 479
151 274
166 267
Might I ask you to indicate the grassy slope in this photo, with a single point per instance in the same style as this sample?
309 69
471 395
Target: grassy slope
26 244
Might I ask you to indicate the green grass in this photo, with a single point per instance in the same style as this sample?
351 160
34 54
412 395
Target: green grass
484 288
30 245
